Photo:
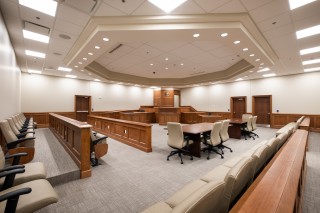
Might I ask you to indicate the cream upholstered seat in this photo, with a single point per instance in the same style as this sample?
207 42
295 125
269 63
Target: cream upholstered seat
33 171
273 144
214 141
245 117
99 147
197 196
224 135
31 196
254 125
29 133
247 129
282 138
177 140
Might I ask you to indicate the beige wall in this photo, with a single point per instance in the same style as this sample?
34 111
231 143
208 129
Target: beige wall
40 93
290 94
9 76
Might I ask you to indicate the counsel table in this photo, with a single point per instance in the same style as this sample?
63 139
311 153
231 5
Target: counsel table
234 130
194 131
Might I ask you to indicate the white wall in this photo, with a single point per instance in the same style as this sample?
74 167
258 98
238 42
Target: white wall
9 76
40 93
290 94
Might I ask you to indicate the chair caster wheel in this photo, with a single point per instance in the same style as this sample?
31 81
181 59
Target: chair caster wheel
231 151
222 157
181 162
167 159
208 158
191 158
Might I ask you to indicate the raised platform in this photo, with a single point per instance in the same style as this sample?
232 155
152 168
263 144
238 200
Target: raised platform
59 165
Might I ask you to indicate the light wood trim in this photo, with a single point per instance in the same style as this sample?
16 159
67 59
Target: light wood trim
278 120
74 136
279 187
42 118
134 134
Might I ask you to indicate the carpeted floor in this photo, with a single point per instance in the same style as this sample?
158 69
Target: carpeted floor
130 180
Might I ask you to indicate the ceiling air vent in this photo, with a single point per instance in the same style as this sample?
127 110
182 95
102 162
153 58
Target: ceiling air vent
36 28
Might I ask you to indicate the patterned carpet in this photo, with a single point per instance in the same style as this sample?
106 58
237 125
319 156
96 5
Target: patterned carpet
130 180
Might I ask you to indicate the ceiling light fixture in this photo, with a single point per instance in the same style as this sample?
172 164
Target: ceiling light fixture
166 59
85 59
236 42
312 69
105 39
71 76
90 53
48 7
308 32
75 66
298 3
261 64
258 59
181 64
97 47
96 80
79 62
151 64
310 50
252 55
66 69
315 61
196 35
239 79
224 34
167 5
34 71
245 49
35 36
264 70
166 68
269 75
35 54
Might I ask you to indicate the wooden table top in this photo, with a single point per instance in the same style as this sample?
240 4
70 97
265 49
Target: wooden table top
237 121
197 128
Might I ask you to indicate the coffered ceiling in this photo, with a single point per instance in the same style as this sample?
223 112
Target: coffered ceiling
145 46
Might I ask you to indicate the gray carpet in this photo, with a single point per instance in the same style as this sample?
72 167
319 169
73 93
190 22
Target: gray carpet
130 180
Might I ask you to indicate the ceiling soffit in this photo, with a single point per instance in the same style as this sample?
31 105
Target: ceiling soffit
239 26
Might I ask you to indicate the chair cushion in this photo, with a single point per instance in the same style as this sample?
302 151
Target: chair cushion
33 171
183 193
42 194
217 173
160 207
232 162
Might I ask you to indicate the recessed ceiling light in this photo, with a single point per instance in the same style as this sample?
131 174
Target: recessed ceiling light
151 64
181 64
245 49
79 62
314 61
90 53
166 68
264 70
89 73
250 71
35 54
85 59
166 59
34 71
76 66
96 80
261 64
66 69
298 3
239 79
252 55
310 50
258 59
82 70
269 75
196 35
224 34
308 32
167 6
236 42
71 76
97 47
48 7
105 39
35 36
312 69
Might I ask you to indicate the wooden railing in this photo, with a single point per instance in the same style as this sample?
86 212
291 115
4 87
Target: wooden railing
279 187
279 120
143 117
135 134
42 118
75 138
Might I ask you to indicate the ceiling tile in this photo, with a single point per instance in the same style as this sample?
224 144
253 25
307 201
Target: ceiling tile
72 15
279 31
252 4
209 5
187 51
275 22
107 10
126 7
67 27
234 6
272 9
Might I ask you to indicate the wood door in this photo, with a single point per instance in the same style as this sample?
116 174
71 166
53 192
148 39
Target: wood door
262 107
82 107
238 106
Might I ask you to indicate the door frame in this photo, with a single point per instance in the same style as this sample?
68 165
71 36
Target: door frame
261 96
75 104
231 103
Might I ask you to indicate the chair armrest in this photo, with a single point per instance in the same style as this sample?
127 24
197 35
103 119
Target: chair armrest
99 139
12 167
16 157
13 144
9 177
13 198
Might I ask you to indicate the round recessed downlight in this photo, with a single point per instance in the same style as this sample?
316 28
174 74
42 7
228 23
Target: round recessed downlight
245 49
252 55
97 47
258 59
90 53
236 42
105 39
196 35
224 34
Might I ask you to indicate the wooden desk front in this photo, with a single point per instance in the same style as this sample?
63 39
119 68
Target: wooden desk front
234 130
194 131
